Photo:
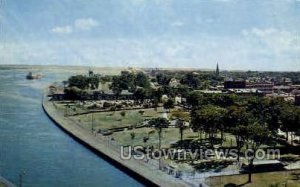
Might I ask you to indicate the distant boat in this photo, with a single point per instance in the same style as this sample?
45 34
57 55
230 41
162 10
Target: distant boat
31 76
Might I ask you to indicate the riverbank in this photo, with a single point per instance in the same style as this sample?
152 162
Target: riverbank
5 183
139 170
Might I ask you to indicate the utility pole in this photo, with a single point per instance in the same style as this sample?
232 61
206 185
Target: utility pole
92 122
66 110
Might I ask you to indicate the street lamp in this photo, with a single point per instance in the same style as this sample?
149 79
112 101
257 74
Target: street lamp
21 175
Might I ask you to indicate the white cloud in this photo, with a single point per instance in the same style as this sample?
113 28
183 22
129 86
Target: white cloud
177 24
62 30
250 52
81 24
85 23
223 0
278 41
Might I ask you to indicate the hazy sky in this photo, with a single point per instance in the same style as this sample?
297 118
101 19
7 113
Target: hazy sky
239 34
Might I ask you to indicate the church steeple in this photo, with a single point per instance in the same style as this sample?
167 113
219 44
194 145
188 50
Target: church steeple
217 70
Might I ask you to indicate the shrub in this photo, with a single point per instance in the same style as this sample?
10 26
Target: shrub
123 113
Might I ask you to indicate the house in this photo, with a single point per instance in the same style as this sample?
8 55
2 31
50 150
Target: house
263 166
246 92
109 95
57 95
174 83
177 100
164 98
265 87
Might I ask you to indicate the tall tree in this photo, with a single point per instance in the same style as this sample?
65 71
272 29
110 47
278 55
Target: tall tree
256 135
78 81
169 104
142 80
140 94
159 124
289 120
181 127
210 118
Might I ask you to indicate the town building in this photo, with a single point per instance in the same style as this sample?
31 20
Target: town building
265 87
231 84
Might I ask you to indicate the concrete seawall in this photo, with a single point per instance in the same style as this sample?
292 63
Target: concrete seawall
4 182
140 172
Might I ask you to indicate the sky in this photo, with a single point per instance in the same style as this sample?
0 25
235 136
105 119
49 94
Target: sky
237 34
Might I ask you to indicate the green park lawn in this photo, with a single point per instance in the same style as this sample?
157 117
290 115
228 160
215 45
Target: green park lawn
270 179
114 119
169 136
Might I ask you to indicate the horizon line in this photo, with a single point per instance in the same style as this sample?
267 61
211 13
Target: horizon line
160 68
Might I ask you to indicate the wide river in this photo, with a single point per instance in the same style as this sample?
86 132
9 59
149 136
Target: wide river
30 142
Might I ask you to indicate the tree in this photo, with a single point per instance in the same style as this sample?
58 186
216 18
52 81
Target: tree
116 86
181 117
123 113
78 81
237 120
162 79
169 104
155 95
132 135
93 82
159 124
65 83
105 79
140 94
72 93
181 127
180 114
183 90
141 112
191 80
272 114
195 99
240 133
255 135
289 120
209 118
142 80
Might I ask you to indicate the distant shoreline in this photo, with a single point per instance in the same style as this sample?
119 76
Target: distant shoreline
86 67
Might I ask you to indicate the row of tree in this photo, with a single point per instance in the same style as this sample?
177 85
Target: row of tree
84 82
253 121
129 81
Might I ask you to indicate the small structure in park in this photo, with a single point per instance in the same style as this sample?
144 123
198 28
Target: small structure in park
263 166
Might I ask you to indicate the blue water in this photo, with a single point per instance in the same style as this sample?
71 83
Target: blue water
29 141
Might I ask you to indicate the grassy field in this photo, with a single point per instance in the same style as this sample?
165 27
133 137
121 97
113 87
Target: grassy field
169 136
114 119
271 179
